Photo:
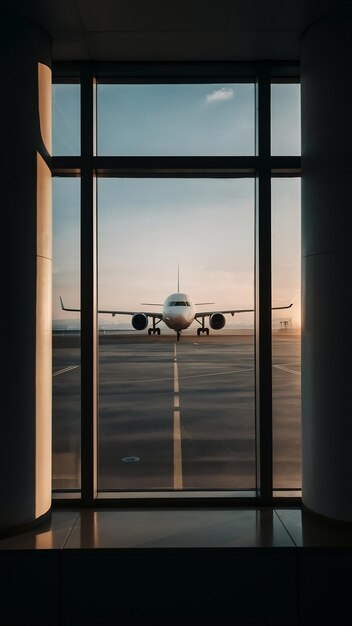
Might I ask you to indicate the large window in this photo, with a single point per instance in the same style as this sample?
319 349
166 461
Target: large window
66 119
178 218
176 119
66 335
285 119
176 414
286 373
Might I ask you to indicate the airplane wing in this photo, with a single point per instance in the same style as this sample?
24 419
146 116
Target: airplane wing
158 316
279 308
233 311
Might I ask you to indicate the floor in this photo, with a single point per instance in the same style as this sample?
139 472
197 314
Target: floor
181 566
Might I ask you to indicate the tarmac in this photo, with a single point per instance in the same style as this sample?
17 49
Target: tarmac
177 415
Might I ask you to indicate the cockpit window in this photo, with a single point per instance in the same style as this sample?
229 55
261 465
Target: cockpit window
179 303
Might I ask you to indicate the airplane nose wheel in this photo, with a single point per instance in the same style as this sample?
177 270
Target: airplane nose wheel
178 335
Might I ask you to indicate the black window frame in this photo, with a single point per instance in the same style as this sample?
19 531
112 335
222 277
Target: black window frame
262 167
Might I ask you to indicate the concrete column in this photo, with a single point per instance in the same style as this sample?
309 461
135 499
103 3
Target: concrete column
326 53
25 273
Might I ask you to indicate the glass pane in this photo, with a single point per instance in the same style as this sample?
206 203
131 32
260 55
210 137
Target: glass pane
176 414
286 276
186 120
66 119
285 119
66 334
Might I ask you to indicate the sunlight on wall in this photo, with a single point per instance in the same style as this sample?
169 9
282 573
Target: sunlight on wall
44 105
43 339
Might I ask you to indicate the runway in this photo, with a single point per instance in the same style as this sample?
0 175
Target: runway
176 415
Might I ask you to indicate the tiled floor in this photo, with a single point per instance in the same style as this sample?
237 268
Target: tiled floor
181 528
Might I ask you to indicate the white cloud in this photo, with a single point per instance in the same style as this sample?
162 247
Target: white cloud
219 95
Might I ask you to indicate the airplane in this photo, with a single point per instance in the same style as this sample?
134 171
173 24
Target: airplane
178 313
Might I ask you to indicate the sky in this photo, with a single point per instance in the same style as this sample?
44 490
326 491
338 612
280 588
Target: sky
179 120
176 119
147 226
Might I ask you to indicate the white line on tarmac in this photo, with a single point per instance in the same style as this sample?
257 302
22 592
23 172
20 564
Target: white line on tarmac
178 478
247 369
158 380
286 369
66 369
288 363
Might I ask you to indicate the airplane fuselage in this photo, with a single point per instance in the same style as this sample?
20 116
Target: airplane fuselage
178 311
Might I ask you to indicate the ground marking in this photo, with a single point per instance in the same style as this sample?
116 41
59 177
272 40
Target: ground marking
247 369
65 369
289 363
178 479
158 380
286 369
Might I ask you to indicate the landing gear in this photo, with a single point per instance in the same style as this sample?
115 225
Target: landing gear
202 330
153 331
178 335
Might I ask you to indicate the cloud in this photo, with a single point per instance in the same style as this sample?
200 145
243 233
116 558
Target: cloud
219 95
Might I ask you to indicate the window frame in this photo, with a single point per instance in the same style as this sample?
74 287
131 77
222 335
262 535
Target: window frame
262 167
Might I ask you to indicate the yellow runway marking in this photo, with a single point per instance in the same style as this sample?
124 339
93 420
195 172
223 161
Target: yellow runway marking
176 385
178 478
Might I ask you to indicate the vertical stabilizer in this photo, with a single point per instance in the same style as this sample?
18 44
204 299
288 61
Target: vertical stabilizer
178 277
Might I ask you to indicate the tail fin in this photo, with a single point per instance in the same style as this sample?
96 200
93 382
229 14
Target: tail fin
178 277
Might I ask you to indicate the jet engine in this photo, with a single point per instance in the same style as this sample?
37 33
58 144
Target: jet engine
139 321
217 321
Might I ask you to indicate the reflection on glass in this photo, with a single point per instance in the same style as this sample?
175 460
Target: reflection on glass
176 414
286 348
66 119
186 120
66 334
285 119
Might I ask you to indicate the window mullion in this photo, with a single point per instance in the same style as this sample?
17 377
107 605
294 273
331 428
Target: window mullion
263 293
89 357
